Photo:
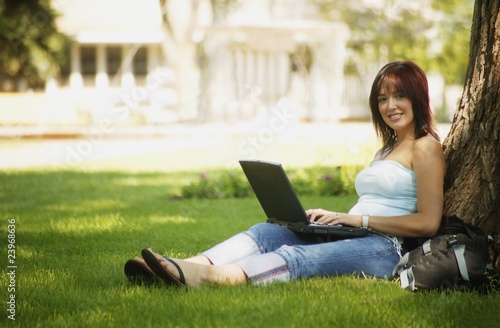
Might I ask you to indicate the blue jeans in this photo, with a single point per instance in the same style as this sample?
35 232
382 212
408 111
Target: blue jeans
268 252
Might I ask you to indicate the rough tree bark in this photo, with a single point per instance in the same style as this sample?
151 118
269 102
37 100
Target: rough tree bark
472 148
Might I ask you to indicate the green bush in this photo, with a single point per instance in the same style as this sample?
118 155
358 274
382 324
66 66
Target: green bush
223 184
313 181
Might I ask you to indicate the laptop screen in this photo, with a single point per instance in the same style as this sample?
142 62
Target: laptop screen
274 191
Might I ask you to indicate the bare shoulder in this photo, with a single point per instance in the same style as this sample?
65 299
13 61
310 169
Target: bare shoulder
427 149
427 144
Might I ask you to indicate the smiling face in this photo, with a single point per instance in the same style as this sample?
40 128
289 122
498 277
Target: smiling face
395 108
399 103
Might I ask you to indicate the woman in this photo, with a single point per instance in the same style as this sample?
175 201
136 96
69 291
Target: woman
400 195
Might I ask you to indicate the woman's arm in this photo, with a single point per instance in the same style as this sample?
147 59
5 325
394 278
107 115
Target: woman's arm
429 167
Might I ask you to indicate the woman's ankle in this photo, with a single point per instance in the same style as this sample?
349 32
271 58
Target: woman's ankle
199 259
229 274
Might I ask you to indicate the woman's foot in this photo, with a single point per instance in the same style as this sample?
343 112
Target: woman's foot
193 274
138 272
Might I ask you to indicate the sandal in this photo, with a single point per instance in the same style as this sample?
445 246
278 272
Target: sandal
161 272
138 274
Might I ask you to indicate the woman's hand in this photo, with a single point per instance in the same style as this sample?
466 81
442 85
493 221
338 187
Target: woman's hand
321 216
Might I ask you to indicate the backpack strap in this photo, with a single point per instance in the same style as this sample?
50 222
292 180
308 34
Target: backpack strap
406 277
426 247
459 250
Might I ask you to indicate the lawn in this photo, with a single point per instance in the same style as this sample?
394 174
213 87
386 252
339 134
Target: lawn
74 230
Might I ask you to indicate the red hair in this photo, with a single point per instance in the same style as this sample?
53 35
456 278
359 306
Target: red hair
408 79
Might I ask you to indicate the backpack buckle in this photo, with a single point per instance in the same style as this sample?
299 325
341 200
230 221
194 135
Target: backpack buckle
452 240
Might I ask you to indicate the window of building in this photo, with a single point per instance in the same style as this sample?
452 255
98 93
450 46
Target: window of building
113 59
88 60
64 73
140 62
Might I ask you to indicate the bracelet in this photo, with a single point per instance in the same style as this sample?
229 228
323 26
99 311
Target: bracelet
365 218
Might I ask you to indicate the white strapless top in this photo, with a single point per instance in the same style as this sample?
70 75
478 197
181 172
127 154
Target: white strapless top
386 188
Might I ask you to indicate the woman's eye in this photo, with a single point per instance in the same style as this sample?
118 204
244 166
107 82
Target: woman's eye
381 100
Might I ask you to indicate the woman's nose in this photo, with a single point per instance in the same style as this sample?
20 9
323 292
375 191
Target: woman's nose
391 102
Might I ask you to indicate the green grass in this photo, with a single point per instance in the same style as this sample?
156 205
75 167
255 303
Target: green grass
75 230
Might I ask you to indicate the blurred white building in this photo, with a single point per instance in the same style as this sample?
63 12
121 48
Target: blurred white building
207 69
116 58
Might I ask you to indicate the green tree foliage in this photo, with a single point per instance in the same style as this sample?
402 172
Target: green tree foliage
31 48
434 33
455 28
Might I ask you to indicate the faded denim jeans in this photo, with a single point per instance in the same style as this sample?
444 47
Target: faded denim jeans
268 253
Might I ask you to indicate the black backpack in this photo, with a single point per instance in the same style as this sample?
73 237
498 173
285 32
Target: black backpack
458 258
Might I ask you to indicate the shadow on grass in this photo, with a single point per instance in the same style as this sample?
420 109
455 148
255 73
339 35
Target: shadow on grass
65 217
118 210
75 230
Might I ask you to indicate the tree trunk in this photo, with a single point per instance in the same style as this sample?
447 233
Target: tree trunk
179 19
472 148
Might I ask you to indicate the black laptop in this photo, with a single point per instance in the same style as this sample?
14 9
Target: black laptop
281 204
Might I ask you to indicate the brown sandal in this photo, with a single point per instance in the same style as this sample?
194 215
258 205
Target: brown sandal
161 272
138 274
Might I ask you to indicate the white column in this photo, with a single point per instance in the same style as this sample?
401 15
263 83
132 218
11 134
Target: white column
239 59
153 64
101 78
128 80
153 57
51 85
75 78
283 73
261 71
